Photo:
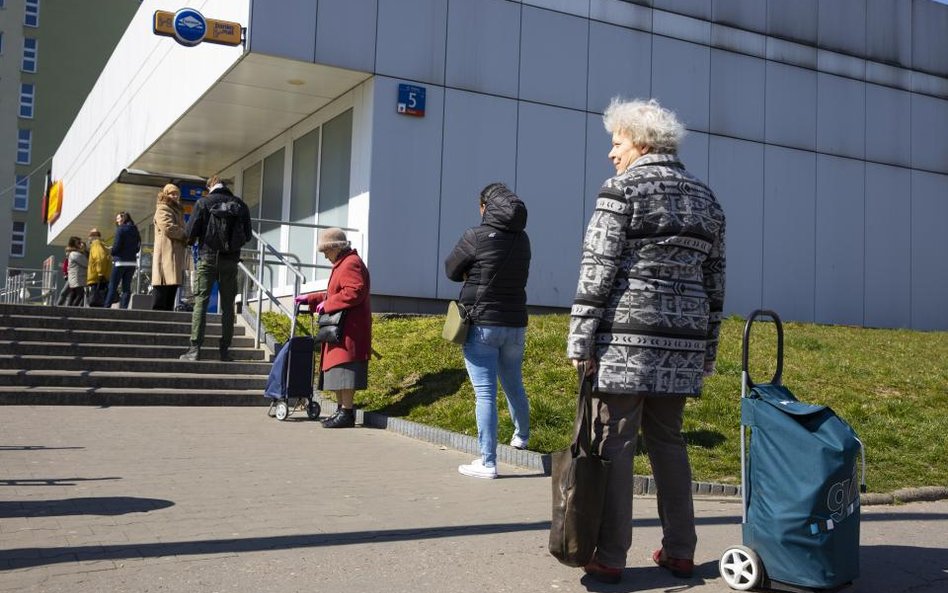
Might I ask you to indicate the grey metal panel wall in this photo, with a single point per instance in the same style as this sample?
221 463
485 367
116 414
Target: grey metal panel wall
480 147
930 37
345 33
620 64
598 166
272 33
737 177
929 246
793 19
889 31
841 116
842 26
744 14
840 249
737 95
791 106
693 152
553 58
484 46
930 133
789 232
411 39
888 246
550 165
888 125
681 79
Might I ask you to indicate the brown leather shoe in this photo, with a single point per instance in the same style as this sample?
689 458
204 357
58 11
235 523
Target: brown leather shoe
602 573
680 567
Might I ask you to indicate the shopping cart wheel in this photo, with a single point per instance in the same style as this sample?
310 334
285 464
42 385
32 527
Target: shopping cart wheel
313 410
270 411
282 410
740 568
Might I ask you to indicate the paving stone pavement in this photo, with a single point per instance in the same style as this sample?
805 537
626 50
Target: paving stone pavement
227 500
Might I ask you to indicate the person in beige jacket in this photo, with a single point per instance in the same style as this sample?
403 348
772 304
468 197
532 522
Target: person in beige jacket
170 258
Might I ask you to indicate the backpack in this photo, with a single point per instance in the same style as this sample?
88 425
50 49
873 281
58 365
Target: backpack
225 229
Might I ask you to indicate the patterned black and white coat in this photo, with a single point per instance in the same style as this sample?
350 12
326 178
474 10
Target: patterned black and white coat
651 281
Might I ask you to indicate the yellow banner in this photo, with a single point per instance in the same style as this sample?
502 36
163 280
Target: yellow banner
55 203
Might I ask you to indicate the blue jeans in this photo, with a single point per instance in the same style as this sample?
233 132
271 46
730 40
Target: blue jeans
124 275
493 351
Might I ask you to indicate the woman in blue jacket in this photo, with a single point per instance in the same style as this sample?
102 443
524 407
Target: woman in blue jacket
125 249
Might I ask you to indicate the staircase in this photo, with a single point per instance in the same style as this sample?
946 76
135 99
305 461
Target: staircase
80 356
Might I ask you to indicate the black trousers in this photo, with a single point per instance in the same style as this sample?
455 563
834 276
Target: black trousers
164 297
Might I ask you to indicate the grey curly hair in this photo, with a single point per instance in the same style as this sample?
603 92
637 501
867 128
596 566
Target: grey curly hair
645 123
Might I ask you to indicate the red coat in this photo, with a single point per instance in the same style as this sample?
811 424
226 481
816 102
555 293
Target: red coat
348 289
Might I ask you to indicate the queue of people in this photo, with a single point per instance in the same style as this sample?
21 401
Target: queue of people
643 327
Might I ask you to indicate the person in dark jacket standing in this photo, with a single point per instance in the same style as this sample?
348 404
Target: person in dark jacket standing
645 324
214 266
493 261
125 249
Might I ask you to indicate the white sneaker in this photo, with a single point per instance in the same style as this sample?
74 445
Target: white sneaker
477 469
518 443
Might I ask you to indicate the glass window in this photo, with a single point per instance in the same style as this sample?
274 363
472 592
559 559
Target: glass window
24 144
32 16
334 169
303 199
250 190
1 36
21 193
18 242
271 198
26 100
30 52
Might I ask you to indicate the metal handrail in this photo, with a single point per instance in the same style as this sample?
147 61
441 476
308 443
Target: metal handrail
20 285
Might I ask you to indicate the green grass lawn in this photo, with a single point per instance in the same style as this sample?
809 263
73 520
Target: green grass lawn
890 385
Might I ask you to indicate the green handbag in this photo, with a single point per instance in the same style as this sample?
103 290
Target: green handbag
456 323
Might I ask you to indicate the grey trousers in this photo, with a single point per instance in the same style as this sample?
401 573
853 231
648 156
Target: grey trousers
617 419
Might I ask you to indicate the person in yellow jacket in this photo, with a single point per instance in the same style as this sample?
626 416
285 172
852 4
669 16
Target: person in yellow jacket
100 270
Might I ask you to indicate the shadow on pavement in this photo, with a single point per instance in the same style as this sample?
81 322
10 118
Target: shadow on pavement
29 557
52 481
106 505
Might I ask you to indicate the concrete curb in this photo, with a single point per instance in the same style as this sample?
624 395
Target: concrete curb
540 462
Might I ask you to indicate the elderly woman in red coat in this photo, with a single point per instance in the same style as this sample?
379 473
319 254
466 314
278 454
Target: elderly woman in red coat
344 366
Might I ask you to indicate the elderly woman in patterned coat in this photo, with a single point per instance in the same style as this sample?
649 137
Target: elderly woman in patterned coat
645 324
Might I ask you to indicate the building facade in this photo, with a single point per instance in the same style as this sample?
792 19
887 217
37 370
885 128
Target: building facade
820 124
51 52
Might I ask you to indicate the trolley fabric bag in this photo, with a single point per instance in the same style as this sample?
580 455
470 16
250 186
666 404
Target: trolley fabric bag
803 488
292 372
579 479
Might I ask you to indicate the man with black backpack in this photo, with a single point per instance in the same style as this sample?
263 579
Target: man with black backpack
220 225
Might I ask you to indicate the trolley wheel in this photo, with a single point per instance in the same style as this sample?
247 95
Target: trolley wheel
740 568
313 410
270 411
282 410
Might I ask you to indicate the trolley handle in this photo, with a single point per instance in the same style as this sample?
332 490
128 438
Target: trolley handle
296 312
746 343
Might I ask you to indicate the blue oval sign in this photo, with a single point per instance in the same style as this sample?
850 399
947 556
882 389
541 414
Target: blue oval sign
189 27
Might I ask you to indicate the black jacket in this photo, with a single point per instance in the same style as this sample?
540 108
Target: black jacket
126 244
498 245
197 224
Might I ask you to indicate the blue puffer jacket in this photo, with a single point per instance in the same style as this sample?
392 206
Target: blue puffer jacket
126 244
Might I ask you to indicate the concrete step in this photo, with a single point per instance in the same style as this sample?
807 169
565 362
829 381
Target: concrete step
125 396
124 351
100 313
160 381
37 362
111 326
25 334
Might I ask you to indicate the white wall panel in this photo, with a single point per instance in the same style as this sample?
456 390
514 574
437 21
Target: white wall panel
681 74
888 125
929 246
480 147
411 39
272 33
598 166
406 183
484 46
737 95
693 152
789 232
930 133
791 106
737 179
345 33
840 249
888 246
550 164
841 116
553 56
620 62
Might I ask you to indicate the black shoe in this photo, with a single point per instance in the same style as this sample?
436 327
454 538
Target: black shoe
346 418
333 416
225 356
193 353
